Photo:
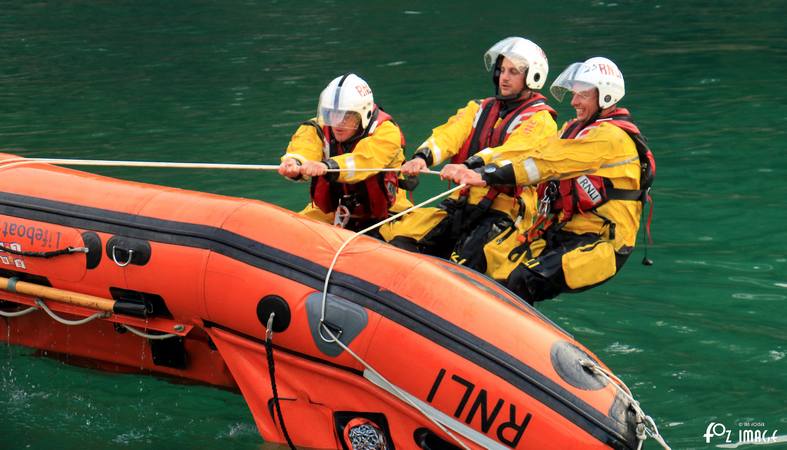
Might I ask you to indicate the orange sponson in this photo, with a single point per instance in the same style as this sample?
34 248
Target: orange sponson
199 275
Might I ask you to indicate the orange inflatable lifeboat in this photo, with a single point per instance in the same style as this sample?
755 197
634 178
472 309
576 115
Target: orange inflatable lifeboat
229 292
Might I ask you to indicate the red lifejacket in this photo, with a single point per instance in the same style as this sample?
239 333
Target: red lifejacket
587 192
486 134
368 199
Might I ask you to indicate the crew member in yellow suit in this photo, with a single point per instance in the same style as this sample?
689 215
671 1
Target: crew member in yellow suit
493 129
592 183
353 134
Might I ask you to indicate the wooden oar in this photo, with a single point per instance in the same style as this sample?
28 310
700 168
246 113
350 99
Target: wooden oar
72 298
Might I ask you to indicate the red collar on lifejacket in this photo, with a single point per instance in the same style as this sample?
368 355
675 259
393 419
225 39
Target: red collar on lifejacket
486 134
620 117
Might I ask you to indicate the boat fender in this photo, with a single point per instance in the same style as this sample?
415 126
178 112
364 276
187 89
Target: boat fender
277 305
566 359
93 244
345 319
125 251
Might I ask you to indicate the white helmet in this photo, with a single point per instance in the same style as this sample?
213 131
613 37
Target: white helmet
599 73
347 94
525 54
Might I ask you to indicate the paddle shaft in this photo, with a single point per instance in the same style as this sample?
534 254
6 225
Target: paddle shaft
60 295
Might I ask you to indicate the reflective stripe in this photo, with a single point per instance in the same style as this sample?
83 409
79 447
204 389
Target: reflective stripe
533 174
477 116
437 156
620 163
504 163
585 131
373 127
350 166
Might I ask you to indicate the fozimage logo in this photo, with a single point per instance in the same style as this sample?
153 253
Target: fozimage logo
746 433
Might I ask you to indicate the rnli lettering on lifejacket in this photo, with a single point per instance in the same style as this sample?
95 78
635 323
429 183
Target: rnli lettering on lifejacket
9 259
37 236
591 191
508 423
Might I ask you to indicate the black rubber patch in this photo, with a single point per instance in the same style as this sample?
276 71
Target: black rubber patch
277 305
169 352
93 244
153 304
566 359
122 246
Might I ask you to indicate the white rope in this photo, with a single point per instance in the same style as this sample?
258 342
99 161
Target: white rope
398 392
370 228
98 315
18 313
649 427
142 334
161 164
179 165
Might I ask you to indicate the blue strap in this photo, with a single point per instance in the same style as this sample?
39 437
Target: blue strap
11 287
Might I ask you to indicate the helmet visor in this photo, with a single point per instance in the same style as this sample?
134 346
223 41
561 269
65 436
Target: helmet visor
570 81
339 119
490 60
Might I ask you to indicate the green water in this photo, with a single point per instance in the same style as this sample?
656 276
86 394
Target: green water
700 337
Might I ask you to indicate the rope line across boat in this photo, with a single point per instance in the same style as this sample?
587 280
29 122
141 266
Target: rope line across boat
179 165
